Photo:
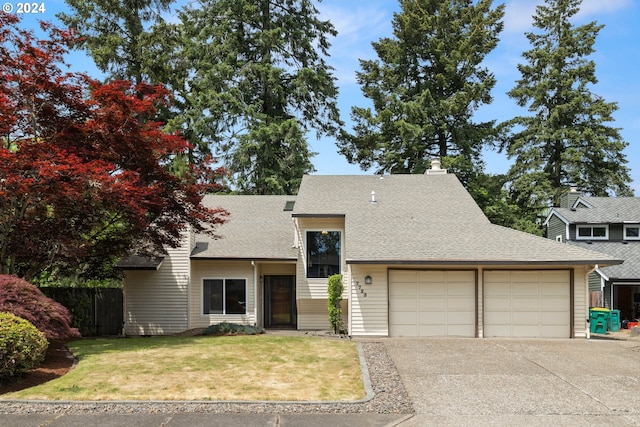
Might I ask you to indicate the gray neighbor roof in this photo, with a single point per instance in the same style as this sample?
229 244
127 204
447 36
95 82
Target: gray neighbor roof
425 219
603 210
629 251
257 228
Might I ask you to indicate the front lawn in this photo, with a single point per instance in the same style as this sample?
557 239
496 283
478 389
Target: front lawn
260 367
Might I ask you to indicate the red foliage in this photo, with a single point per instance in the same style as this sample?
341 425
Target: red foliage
22 299
84 167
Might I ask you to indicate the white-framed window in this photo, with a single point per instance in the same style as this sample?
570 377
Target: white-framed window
224 296
592 232
632 232
324 253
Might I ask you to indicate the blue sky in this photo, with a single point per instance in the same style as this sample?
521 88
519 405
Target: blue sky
359 22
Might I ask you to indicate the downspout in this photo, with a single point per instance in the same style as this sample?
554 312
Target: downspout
255 293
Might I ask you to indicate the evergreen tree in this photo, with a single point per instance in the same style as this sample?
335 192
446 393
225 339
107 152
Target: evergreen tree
257 85
425 87
567 138
115 35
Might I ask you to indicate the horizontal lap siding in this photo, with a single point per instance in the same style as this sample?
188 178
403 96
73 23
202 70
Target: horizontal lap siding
156 302
369 304
313 314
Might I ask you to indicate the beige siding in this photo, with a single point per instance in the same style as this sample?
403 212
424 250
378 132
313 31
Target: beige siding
210 269
313 314
156 301
580 301
368 303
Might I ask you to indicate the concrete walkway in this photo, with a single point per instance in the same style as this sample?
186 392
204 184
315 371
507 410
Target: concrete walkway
520 382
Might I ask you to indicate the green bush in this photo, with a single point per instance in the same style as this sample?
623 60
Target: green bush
22 346
226 328
335 289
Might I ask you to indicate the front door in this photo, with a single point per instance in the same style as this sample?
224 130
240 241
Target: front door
280 301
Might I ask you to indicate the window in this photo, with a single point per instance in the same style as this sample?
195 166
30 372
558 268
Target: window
592 232
323 253
632 232
224 296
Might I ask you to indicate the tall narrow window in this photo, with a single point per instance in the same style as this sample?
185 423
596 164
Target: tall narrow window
323 253
224 296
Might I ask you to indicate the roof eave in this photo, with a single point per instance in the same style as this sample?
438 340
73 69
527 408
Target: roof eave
309 215
486 262
232 258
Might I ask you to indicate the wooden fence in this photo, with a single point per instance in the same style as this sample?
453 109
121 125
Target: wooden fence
94 311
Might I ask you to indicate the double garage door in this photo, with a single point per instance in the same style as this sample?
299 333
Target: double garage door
516 303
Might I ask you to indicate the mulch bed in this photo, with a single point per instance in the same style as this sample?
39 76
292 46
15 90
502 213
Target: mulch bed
57 362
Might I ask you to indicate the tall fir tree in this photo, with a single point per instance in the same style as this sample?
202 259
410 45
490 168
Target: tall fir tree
258 84
425 86
115 34
567 139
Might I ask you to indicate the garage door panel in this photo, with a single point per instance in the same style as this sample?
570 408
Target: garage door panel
497 304
405 317
431 290
553 318
498 289
404 289
406 330
438 299
460 318
430 276
398 305
532 304
525 304
554 289
527 331
462 304
458 289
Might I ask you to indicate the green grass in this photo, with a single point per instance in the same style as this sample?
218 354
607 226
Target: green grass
259 367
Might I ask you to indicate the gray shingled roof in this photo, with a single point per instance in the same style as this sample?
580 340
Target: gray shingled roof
629 252
258 227
604 210
425 219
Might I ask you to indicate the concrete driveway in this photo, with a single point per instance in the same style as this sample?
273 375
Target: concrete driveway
520 382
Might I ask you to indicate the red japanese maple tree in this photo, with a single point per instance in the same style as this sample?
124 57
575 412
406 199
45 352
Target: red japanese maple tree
84 167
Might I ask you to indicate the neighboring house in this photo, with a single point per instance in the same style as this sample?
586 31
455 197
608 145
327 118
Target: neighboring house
610 225
418 258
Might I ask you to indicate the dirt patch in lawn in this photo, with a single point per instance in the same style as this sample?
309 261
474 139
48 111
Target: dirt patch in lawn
58 361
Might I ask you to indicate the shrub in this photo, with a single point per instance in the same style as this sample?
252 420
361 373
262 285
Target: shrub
334 300
22 346
24 300
226 328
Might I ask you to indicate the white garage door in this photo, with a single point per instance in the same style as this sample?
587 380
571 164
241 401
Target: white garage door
527 304
432 303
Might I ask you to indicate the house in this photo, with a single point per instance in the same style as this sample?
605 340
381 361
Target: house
610 225
417 255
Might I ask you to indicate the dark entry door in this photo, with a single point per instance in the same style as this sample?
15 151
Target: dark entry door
280 301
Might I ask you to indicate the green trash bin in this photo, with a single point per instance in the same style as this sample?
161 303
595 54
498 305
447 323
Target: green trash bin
598 319
614 321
